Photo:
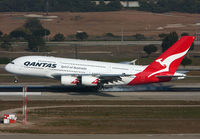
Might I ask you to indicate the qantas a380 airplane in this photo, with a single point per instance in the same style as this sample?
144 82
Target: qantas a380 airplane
73 72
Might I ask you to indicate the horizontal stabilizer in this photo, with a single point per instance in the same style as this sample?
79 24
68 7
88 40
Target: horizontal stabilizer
173 77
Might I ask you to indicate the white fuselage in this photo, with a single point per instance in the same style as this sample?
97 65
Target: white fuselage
52 67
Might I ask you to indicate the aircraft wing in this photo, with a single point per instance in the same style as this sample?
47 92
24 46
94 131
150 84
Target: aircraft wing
129 62
110 79
105 78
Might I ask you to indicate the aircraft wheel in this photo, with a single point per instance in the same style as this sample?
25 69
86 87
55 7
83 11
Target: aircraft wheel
100 88
16 80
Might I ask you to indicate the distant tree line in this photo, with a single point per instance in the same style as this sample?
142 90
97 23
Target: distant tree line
58 5
160 6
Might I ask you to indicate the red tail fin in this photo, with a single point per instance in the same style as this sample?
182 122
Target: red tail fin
167 63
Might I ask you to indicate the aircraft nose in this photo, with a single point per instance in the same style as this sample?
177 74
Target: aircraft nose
8 68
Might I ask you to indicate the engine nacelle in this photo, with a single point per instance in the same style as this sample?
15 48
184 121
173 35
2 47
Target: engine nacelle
90 80
69 80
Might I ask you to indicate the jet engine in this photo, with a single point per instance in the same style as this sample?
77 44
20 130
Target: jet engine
69 80
90 80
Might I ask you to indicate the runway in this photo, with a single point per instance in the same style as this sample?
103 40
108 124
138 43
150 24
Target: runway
151 92
187 96
169 87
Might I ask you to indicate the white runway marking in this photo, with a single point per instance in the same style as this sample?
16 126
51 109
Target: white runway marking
20 93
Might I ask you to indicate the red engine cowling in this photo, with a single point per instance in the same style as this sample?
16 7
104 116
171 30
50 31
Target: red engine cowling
90 80
69 80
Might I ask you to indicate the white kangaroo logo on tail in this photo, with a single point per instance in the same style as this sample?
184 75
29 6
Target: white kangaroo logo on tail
167 62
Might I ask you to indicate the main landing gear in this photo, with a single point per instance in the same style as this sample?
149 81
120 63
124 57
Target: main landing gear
100 87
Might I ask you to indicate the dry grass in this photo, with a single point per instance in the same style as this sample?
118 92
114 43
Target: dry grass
98 23
90 120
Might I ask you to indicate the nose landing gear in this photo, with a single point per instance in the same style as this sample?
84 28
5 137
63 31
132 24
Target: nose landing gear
16 80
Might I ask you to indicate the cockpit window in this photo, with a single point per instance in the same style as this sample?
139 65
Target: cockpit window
12 63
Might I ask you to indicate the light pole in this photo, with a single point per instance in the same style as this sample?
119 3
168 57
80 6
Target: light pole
122 34
47 7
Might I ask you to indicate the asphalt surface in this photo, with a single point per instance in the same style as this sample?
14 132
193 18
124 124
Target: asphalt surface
145 92
98 43
187 96
166 87
101 43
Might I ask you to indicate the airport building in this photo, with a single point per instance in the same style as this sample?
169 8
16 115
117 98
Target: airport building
125 4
